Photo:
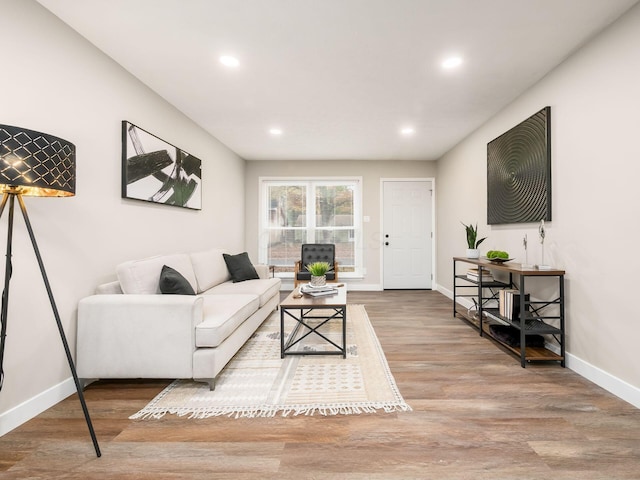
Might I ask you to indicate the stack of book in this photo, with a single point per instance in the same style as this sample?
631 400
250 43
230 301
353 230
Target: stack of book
318 291
474 274
509 303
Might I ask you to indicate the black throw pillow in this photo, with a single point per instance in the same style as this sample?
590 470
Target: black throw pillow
173 282
240 267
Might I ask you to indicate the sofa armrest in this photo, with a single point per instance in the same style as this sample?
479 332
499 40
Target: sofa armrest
109 288
137 336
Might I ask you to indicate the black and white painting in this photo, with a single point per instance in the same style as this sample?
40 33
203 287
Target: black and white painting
156 171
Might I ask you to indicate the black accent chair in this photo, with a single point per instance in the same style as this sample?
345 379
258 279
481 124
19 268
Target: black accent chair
316 252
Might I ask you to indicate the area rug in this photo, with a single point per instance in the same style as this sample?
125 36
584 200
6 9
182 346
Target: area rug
258 383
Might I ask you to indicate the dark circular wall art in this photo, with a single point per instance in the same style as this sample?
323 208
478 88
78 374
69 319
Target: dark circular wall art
519 172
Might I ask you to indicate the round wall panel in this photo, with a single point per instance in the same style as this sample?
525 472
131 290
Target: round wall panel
519 172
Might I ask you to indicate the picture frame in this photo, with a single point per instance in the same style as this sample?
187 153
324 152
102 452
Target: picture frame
519 172
156 171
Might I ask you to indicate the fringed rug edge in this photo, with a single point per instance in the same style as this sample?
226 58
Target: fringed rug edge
266 411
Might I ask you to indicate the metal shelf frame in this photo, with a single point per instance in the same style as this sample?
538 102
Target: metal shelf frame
535 321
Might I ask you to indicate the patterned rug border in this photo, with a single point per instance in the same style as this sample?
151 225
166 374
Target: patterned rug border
267 410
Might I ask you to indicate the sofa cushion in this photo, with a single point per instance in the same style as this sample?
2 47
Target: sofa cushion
172 282
265 289
210 268
240 267
143 276
222 314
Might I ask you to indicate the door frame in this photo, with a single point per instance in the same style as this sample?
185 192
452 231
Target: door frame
433 225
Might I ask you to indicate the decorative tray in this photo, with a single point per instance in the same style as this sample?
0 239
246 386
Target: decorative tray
499 260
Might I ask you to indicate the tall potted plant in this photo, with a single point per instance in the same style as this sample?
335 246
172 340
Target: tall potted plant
472 240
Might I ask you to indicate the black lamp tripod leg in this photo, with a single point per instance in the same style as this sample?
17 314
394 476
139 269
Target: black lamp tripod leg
58 321
7 279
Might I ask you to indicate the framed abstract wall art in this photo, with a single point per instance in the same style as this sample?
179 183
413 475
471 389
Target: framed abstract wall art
158 172
519 172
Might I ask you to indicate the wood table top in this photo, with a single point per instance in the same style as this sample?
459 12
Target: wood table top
513 267
335 300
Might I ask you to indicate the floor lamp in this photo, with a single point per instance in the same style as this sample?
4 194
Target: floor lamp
40 165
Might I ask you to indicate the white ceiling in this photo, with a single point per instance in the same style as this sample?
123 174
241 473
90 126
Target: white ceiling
340 77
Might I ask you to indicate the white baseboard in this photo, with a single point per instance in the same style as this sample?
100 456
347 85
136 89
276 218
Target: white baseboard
614 385
34 406
364 287
610 383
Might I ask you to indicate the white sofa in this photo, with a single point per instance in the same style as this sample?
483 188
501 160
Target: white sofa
131 330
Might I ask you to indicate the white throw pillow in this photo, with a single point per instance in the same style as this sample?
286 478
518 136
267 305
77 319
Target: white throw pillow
143 276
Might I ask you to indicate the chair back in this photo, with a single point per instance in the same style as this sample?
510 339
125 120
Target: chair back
318 252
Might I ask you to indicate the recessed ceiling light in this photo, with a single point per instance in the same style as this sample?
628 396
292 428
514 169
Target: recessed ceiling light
407 131
275 131
229 61
451 62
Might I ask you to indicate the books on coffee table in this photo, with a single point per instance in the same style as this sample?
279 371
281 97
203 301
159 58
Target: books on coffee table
308 289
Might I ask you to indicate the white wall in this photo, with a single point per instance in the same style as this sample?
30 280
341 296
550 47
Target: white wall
595 100
371 173
54 81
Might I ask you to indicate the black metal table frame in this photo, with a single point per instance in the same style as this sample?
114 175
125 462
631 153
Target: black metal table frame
339 312
535 305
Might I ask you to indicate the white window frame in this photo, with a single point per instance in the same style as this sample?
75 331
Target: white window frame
264 206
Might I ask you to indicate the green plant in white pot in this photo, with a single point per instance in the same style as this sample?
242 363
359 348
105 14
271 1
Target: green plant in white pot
318 271
472 240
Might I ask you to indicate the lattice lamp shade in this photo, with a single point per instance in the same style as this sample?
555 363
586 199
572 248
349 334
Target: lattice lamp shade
36 164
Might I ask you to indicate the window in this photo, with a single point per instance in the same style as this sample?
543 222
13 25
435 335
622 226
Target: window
297 211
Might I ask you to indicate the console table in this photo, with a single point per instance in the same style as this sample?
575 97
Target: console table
537 317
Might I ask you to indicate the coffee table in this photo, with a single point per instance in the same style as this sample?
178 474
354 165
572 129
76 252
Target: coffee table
310 314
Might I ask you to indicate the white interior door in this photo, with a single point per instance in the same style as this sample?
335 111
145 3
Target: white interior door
407 234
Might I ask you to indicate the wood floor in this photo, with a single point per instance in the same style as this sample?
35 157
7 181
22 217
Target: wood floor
476 415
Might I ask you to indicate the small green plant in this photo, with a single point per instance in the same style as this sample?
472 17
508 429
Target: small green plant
318 269
472 235
497 254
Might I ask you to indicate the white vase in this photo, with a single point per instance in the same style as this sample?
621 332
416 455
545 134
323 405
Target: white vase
473 253
320 281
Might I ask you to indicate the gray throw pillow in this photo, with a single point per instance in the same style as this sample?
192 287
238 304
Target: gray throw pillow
171 281
240 267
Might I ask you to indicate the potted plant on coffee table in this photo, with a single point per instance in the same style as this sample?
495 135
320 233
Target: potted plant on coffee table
472 241
318 271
